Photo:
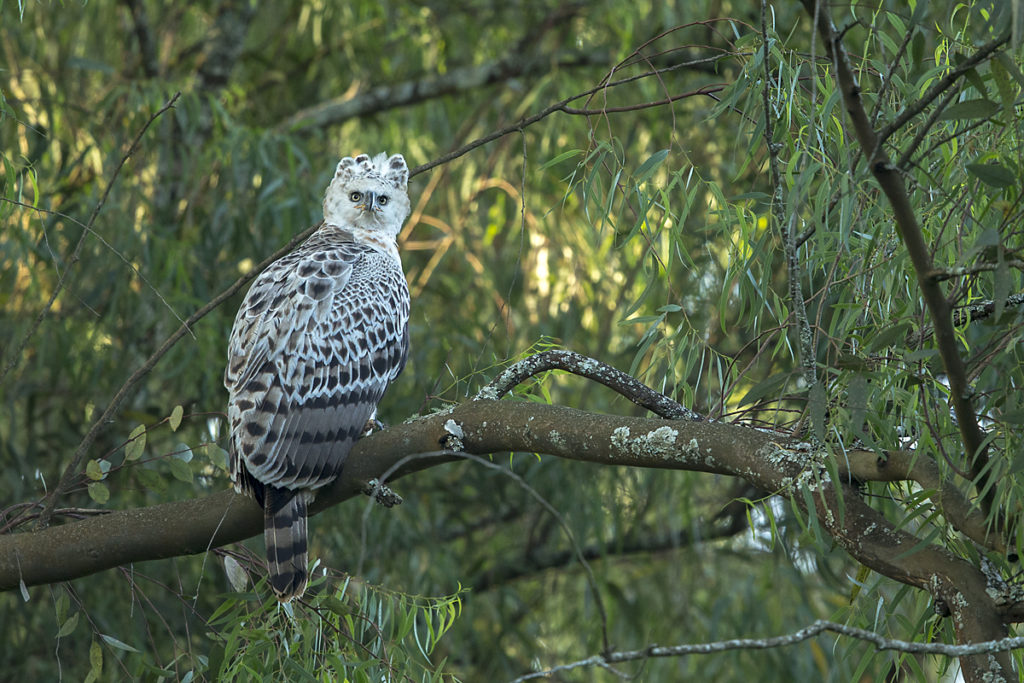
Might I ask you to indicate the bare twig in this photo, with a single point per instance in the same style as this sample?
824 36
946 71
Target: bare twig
940 274
584 366
64 279
816 629
562 106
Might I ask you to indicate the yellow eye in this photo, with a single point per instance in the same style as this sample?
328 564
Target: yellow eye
382 200
356 196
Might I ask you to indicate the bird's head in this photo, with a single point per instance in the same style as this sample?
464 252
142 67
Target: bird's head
371 194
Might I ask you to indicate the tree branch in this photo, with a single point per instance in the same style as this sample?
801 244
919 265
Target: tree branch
578 364
460 79
891 183
786 226
817 628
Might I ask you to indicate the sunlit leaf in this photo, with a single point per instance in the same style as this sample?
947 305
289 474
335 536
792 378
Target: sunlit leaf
175 419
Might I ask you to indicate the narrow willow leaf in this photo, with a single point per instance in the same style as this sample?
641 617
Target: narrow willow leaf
114 642
561 157
95 659
971 109
648 168
68 626
995 174
237 576
857 393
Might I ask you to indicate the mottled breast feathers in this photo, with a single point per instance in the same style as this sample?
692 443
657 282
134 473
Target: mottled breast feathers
320 335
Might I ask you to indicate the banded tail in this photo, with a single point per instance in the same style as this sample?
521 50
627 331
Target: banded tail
284 531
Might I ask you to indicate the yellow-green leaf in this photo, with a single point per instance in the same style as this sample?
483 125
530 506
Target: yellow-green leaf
175 419
95 659
99 492
68 626
136 443
94 471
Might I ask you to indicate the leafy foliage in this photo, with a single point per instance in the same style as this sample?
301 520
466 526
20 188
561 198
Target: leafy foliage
645 237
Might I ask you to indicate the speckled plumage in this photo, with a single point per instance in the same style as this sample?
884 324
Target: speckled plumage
318 338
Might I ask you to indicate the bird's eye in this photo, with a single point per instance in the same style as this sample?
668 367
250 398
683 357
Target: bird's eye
382 200
356 196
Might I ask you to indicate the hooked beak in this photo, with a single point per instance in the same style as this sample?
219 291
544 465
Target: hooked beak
369 203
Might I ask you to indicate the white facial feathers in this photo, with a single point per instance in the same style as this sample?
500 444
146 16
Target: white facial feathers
371 194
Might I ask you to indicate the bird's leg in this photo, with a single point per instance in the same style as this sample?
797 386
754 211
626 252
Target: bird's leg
372 425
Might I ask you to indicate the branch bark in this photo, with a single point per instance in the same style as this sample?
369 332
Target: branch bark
765 459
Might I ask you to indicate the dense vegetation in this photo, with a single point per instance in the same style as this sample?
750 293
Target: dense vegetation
682 190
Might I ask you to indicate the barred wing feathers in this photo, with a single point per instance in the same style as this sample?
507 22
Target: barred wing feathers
318 338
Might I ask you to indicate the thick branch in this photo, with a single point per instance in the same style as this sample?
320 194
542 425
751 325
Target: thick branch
79 548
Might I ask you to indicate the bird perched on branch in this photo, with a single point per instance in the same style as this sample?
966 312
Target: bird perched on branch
317 340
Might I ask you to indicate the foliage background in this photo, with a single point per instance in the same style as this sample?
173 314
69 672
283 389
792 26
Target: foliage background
642 238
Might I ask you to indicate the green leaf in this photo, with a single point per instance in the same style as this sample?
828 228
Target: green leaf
857 394
175 419
97 469
766 386
971 109
99 492
890 336
136 443
180 470
68 626
217 456
114 642
994 174
648 168
150 479
95 659
561 157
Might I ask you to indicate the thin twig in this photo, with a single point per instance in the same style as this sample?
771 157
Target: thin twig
562 106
